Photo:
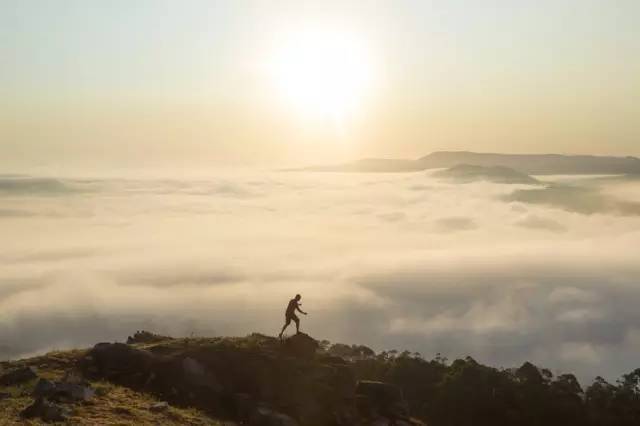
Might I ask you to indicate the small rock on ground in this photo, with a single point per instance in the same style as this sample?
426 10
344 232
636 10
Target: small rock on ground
159 406
17 376
46 410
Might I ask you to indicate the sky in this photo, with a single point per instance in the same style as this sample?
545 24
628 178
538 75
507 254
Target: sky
121 85
141 181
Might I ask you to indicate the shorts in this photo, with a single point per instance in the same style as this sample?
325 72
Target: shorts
289 318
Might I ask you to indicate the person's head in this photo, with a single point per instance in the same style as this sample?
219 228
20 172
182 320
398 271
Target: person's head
298 297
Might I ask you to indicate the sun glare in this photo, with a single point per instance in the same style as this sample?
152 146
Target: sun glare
322 74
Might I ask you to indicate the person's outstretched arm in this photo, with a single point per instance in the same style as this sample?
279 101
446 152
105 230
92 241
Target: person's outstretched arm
300 310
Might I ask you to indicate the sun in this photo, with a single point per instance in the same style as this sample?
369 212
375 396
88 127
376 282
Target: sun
322 74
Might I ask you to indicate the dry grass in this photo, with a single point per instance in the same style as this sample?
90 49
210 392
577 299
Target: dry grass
112 405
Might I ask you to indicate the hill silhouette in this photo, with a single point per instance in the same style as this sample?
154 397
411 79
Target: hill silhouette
259 380
532 164
466 173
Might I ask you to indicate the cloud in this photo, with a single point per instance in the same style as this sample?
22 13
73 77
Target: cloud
579 199
449 224
36 256
172 276
501 307
377 261
13 213
581 352
392 216
13 286
18 185
572 295
536 222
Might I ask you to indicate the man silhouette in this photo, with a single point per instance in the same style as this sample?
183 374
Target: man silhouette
290 314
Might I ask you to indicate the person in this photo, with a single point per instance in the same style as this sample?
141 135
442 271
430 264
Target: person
290 314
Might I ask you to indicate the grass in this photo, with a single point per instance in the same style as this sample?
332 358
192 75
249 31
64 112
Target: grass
112 405
253 341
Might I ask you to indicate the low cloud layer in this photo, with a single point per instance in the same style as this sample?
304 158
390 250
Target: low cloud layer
579 199
505 273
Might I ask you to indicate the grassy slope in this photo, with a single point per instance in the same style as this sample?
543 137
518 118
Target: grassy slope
112 405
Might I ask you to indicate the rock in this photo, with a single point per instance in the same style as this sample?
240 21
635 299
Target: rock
73 376
4 395
384 421
74 391
17 376
63 391
118 362
251 383
244 406
381 421
44 388
146 337
364 407
46 410
301 345
196 374
268 417
159 406
343 381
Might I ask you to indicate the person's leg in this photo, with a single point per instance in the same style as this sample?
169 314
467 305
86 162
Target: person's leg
286 324
297 320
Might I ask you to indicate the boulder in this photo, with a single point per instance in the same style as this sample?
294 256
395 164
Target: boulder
301 345
20 375
73 376
343 381
384 421
46 410
264 416
244 406
119 362
197 375
44 388
74 391
63 391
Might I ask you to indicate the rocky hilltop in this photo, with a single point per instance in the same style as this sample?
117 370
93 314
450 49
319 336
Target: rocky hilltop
257 380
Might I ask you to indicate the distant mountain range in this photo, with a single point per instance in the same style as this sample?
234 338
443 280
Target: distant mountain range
532 164
466 173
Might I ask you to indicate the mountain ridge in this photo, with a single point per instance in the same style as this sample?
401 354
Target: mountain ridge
532 164
465 173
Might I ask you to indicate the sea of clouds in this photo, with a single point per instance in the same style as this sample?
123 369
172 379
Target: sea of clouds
505 273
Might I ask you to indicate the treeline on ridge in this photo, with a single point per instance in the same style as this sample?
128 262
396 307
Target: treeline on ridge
465 392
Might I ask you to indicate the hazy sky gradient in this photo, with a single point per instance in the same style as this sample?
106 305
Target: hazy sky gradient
144 84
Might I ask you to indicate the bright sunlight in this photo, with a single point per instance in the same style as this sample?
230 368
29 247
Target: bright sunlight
322 75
